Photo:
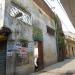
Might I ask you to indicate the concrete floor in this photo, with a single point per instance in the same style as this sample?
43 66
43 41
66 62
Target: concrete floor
67 67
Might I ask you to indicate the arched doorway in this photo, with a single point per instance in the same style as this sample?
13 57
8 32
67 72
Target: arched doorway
4 33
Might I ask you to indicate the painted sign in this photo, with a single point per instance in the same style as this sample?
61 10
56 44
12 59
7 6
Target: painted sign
2 9
23 52
24 17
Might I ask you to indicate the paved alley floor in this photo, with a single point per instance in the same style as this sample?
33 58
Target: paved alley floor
66 67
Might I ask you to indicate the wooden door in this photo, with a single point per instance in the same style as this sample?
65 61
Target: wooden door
40 54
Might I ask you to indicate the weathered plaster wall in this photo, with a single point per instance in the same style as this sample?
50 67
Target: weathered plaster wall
41 20
25 31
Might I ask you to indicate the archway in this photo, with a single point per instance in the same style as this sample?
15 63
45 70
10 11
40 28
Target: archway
4 34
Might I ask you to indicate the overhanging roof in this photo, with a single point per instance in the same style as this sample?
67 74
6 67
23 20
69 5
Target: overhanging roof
45 7
69 6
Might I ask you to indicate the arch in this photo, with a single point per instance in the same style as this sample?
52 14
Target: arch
4 33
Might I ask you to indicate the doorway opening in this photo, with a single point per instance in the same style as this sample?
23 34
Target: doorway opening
38 52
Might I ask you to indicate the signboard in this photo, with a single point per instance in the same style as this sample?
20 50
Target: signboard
24 17
23 52
2 9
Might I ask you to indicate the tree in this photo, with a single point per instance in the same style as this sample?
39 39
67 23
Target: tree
59 39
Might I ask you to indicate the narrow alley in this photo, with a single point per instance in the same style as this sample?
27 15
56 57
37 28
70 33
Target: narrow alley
66 67
37 37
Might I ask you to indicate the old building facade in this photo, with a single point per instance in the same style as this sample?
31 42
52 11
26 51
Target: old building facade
22 17
70 46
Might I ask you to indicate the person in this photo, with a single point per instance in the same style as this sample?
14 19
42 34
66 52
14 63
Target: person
36 64
36 57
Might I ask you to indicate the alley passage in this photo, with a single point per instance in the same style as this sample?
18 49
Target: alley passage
67 67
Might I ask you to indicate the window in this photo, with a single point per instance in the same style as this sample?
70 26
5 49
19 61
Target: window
50 31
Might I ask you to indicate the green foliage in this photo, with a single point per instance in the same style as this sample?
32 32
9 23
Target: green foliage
59 33
61 42
24 42
37 34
